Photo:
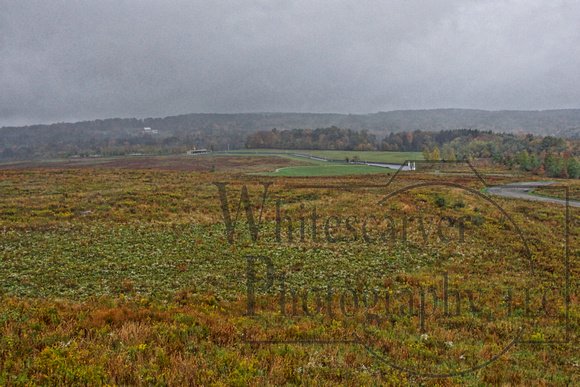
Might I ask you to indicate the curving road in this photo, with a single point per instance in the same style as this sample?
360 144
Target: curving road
520 191
403 167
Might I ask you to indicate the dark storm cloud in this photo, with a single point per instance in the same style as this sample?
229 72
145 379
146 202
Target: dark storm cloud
70 60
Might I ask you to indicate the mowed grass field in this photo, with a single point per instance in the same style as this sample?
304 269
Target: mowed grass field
128 276
329 169
322 168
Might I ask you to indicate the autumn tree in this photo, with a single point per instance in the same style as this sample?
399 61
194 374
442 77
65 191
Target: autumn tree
523 159
435 155
449 154
426 153
573 167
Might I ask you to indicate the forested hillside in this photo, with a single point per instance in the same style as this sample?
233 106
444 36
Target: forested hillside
223 131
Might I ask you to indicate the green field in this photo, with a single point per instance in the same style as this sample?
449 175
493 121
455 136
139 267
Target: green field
332 169
324 168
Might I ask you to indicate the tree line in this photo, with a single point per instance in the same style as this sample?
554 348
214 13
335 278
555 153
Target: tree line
331 138
230 131
551 156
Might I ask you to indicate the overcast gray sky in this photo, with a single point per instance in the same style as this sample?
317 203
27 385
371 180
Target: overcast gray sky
87 59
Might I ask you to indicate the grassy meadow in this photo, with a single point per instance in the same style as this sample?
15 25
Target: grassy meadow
329 169
117 274
324 168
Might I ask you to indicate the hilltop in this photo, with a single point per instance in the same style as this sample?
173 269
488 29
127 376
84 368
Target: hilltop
223 131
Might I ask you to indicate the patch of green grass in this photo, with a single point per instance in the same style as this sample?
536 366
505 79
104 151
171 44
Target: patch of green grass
325 168
558 192
329 169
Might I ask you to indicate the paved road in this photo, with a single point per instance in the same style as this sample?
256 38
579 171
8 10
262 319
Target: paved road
520 191
404 167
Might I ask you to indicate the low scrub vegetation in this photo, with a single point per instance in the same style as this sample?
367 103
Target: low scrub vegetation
138 277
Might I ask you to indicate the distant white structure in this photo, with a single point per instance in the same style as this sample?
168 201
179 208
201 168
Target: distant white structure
197 151
150 131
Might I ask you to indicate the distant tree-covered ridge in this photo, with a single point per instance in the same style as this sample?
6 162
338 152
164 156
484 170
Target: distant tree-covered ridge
547 155
331 138
175 134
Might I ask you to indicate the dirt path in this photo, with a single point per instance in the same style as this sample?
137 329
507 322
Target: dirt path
520 191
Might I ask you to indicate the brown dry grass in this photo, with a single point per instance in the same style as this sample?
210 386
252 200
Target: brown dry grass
199 163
